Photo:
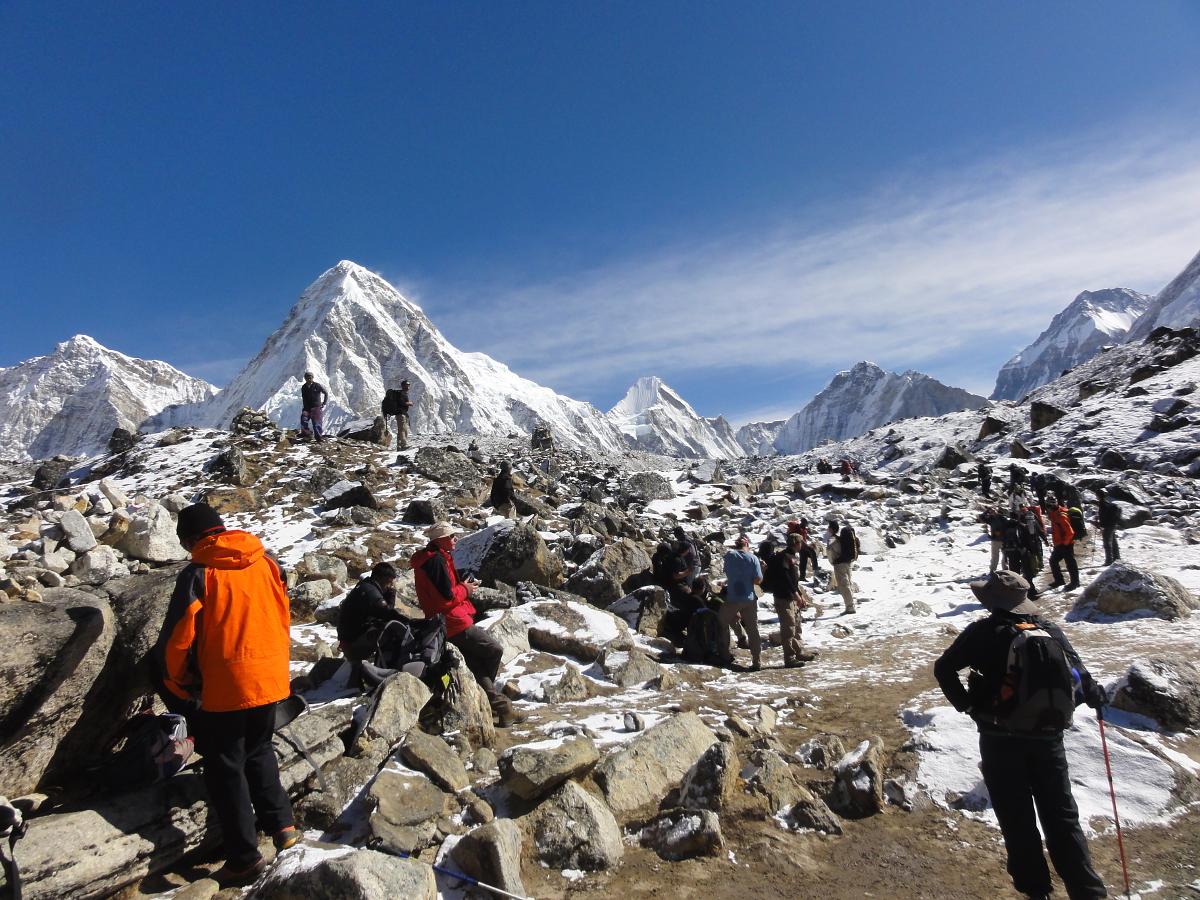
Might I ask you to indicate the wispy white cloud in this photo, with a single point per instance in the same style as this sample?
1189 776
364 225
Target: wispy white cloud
952 273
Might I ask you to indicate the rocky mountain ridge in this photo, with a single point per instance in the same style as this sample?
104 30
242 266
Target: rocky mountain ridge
656 419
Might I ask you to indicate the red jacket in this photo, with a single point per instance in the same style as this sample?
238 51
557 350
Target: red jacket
225 640
439 589
1060 522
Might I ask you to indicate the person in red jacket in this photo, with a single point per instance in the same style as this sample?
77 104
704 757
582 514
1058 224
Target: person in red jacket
223 657
1063 536
441 591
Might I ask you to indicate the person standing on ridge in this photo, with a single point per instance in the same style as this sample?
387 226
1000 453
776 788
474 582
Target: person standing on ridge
842 551
313 398
985 479
742 573
396 403
1109 516
503 496
1021 752
440 590
223 657
1063 536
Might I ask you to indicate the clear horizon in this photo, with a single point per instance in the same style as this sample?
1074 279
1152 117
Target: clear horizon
740 204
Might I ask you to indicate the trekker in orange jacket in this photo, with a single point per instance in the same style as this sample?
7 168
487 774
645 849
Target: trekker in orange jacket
223 654
1064 544
441 592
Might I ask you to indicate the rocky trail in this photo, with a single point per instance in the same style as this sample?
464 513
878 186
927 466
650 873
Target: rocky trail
632 772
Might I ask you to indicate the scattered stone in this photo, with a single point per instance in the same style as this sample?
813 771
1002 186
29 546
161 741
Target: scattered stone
713 781
430 754
248 421
858 785
405 809
1166 690
401 699
424 512
492 853
76 531
641 773
822 752
314 566
533 770
304 872
99 565
573 829
683 833
1124 589
346 494
113 493
232 467
629 668
306 597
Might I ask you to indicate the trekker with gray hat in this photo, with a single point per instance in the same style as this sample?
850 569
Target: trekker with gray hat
1025 683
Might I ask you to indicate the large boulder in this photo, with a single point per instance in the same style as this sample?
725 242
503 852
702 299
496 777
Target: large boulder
343 873
712 782
52 473
429 753
643 609
572 629
952 457
629 668
322 566
1123 589
643 487
232 467
858 780
76 532
1043 414
533 770
449 467
305 597
151 537
512 633
54 653
1167 690
398 708
611 572
348 494
405 809
573 829
371 431
640 774
683 833
508 552
787 798
467 710
492 853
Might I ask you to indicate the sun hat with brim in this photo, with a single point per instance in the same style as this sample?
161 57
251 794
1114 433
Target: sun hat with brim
441 530
1004 590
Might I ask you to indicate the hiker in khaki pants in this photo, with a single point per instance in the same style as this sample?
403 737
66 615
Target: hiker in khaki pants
841 551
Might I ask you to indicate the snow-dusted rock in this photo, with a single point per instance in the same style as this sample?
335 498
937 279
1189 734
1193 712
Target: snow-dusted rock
1124 589
492 853
858 780
305 872
508 552
323 566
533 770
683 833
641 773
628 668
306 597
1167 690
1175 306
151 537
572 829
512 633
713 781
468 710
610 573
572 629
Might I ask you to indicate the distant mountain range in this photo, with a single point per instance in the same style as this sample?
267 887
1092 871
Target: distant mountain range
359 335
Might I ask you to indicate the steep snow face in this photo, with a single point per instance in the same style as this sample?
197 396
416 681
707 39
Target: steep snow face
866 397
1177 305
1093 320
656 419
359 336
758 438
71 400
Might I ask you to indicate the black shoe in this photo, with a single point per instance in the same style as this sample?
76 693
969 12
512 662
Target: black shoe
1057 584
1073 586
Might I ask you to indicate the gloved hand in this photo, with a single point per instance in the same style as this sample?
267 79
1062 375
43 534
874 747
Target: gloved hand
1096 696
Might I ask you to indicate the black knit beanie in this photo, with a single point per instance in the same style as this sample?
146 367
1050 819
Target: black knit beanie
197 519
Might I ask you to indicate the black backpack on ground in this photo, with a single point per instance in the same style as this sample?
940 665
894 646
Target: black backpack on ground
155 748
1037 690
703 644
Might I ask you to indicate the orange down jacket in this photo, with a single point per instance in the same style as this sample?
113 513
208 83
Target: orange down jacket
1060 524
225 640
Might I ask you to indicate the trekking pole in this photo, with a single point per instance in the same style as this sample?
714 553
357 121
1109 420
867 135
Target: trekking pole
473 882
1112 792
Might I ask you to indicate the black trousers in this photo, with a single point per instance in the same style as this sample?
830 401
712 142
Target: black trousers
1060 553
242 777
807 555
482 653
1111 551
1022 773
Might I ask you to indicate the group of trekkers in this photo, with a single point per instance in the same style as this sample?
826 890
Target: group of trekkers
1018 525
703 620
396 406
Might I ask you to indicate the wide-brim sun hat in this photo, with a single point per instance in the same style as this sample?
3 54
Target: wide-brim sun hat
441 530
1004 590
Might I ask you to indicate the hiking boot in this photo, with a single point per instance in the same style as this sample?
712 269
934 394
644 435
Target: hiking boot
239 876
1072 586
792 664
503 710
753 667
1057 584
285 838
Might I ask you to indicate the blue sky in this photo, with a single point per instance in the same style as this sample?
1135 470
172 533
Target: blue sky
740 198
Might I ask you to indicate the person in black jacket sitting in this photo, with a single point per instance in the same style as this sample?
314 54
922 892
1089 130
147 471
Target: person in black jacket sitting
1022 769
503 495
366 610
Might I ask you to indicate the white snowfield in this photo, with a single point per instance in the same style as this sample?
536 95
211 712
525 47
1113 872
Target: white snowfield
658 420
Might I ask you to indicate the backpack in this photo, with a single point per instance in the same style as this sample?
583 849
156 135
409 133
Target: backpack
155 748
849 539
415 646
391 402
702 644
1078 525
1037 690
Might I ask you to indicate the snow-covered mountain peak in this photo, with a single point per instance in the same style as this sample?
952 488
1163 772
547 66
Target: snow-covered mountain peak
1091 321
656 418
1176 306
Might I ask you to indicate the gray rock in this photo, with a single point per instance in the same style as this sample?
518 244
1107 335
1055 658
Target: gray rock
642 772
643 609
822 752
512 633
468 711
345 874
1123 589
611 572
643 487
115 495
573 829
76 531
492 853
771 777
314 566
151 537
533 770
713 781
99 565
405 810
1167 690
570 687
400 703
449 467
424 512
348 494
508 552
306 597
430 754
629 668
1043 414
683 833
344 778
858 780
232 467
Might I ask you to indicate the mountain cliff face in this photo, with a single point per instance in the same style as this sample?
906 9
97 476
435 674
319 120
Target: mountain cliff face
1093 320
866 397
656 419
359 336
758 438
1177 305
71 400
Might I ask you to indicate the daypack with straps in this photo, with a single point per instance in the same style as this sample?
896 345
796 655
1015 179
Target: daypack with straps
849 542
392 404
1037 690
1078 525
156 747
702 644
415 646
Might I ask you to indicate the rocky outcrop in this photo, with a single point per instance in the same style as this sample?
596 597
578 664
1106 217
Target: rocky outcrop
572 829
508 553
305 872
533 770
1123 589
611 572
1167 690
